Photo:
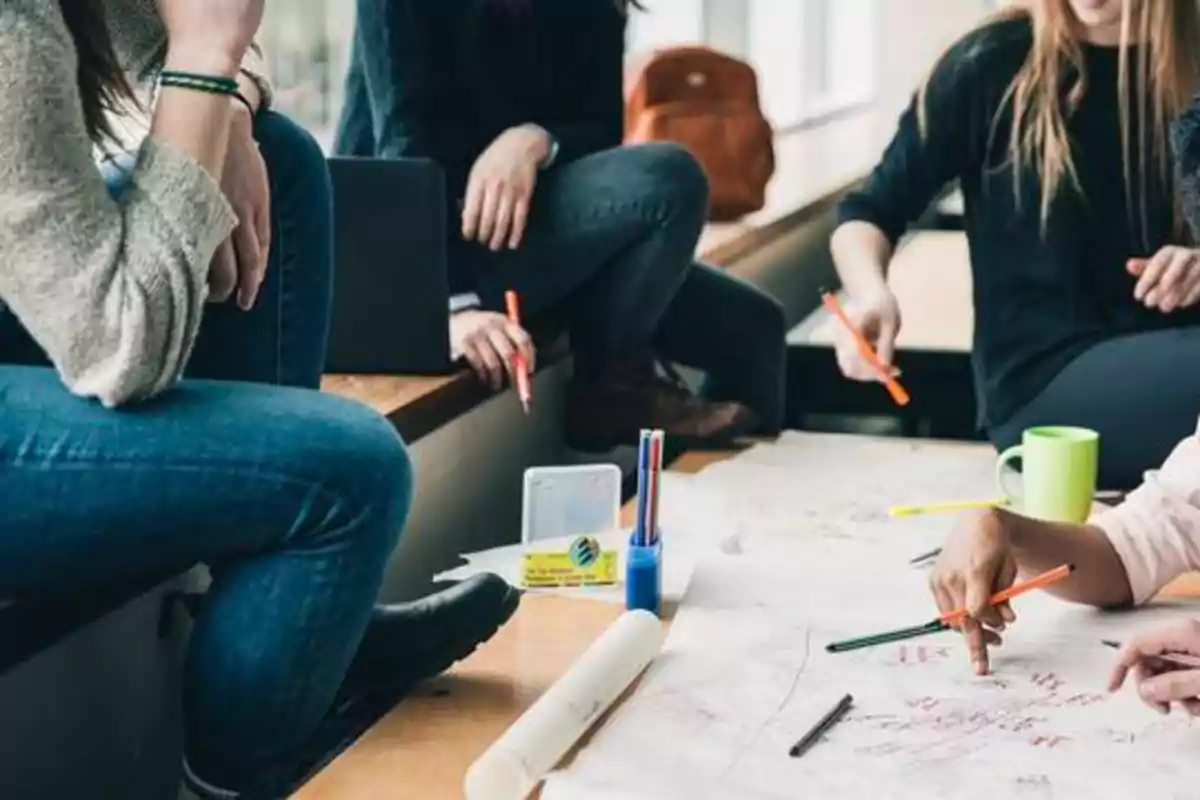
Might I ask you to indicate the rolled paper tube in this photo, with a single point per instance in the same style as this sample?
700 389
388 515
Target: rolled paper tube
521 757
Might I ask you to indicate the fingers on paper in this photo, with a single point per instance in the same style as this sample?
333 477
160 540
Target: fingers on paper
977 639
1177 686
1140 654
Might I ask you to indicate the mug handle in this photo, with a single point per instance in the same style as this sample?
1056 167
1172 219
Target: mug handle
1003 472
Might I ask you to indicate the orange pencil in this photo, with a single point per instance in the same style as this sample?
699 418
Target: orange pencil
894 388
948 620
524 390
1036 582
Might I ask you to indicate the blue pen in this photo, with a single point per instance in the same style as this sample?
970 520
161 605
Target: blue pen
643 463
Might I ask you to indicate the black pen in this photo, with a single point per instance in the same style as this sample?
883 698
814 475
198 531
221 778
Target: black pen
925 557
819 730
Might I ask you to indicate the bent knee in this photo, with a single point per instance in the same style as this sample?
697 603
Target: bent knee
363 457
670 169
293 156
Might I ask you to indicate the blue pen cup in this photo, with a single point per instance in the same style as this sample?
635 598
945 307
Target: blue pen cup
643 577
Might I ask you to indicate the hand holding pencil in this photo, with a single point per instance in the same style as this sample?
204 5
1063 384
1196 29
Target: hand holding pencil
975 563
865 339
1165 663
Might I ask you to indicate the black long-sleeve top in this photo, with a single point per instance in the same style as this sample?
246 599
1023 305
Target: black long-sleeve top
442 79
1040 298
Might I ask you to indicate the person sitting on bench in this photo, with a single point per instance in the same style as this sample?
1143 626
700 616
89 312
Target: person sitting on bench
114 470
520 101
1087 293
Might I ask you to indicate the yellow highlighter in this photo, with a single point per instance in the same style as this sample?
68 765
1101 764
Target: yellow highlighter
944 508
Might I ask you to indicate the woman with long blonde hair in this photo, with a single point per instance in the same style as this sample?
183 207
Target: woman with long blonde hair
1055 119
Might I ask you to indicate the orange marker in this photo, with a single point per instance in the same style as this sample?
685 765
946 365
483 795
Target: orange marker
894 388
1037 582
524 390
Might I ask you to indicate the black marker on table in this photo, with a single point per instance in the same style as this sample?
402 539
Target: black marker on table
819 730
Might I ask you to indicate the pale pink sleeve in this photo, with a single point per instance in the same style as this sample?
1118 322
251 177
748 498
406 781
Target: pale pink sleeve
1156 531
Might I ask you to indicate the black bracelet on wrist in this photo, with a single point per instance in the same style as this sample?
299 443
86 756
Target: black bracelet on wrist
212 84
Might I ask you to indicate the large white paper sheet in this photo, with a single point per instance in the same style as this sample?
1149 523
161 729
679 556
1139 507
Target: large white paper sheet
744 675
805 488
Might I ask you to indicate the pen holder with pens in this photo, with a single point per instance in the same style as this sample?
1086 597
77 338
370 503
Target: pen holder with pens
643 576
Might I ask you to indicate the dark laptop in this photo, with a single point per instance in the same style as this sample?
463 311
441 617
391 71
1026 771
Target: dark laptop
391 292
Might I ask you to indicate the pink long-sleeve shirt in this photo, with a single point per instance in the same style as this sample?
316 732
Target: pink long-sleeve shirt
1156 531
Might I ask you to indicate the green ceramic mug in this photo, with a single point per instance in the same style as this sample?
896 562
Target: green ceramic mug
1058 473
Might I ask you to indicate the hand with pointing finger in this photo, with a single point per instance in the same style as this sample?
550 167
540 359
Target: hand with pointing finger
1160 684
976 562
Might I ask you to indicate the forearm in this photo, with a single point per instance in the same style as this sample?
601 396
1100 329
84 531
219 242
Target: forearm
861 253
1099 578
193 122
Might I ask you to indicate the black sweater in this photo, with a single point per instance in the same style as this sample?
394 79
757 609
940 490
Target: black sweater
443 78
1040 300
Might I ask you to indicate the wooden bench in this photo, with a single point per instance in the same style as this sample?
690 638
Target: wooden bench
931 278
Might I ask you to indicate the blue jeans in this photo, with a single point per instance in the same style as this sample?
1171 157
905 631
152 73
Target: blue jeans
610 247
294 498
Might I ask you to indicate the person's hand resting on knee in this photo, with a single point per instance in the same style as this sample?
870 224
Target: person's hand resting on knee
500 187
1161 684
490 343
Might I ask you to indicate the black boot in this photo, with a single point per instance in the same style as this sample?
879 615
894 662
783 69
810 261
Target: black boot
405 644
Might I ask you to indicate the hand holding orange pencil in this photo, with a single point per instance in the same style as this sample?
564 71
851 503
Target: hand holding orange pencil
882 372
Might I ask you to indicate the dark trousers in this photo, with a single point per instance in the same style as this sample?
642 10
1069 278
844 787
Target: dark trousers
1141 392
610 250
294 498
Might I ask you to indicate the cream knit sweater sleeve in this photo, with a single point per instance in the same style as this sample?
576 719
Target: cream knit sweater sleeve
112 291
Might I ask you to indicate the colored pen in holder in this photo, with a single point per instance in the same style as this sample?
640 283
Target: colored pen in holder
643 576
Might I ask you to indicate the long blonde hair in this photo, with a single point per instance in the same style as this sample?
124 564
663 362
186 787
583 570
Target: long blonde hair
1052 81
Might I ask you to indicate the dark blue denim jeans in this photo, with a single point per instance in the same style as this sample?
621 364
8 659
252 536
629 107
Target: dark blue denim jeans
294 498
610 247
610 243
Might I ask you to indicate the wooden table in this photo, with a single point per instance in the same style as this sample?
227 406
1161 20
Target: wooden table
422 749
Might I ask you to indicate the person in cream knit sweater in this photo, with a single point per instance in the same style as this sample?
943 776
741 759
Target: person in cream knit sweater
161 340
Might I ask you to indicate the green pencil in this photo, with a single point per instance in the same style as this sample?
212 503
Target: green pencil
899 635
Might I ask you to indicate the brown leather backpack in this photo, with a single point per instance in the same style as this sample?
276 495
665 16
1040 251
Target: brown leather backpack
708 102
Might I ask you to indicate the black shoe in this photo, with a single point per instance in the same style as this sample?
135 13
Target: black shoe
405 644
